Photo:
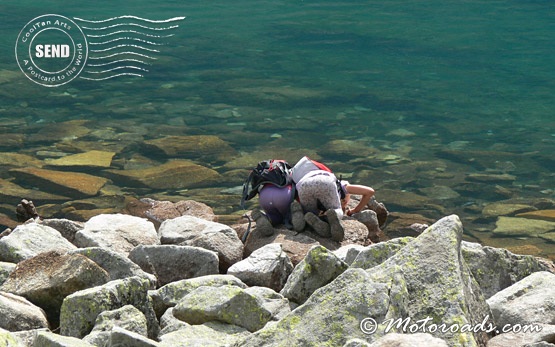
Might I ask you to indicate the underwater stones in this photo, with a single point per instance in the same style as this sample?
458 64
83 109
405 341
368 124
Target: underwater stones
515 226
497 209
317 269
174 174
73 184
17 314
8 159
80 309
89 160
54 132
268 266
12 193
228 304
529 301
28 240
347 148
439 193
170 263
407 201
49 277
490 178
193 231
117 232
194 146
547 215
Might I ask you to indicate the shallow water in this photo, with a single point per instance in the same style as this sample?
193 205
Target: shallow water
405 83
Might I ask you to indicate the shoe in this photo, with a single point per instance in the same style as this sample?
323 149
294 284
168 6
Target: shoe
336 228
320 227
297 216
263 224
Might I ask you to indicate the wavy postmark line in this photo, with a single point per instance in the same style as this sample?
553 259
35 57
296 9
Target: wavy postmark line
129 43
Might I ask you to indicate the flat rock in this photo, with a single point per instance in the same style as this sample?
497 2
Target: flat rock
49 339
17 314
56 132
497 209
89 160
547 215
490 178
9 159
29 240
440 193
13 193
170 263
515 226
117 232
174 174
73 184
407 201
194 146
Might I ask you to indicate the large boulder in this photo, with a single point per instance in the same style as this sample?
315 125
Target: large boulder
49 277
496 268
198 232
170 294
317 269
124 338
118 232
127 317
529 301
228 304
17 314
28 240
66 227
537 335
268 266
49 339
425 280
170 263
376 254
117 265
81 309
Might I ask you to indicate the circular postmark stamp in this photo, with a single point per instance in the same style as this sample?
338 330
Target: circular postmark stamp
51 50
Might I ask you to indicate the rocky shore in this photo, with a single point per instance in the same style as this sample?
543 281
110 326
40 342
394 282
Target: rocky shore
171 275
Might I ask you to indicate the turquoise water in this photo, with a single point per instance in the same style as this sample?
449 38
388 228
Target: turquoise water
402 83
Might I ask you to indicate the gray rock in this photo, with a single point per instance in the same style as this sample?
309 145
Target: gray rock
7 339
228 304
523 338
127 317
348 253
17 314
80 309
5 270
169 324
496 268
28 240
48 278
268 266
274 302
117 232
376 254
116 264
66 227
124 338
170 263
194 231
409 340
516 226
356 343
48 339
426 278
210 334
27 337
170 294
530 300
317 269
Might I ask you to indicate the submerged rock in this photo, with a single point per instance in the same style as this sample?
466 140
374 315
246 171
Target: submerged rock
89 160
12 193
515 226
194 146
175 174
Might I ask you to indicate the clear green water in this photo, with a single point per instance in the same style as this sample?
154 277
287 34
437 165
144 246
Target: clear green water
462 75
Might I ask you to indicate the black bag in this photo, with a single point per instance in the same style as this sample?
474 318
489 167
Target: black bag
274 171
